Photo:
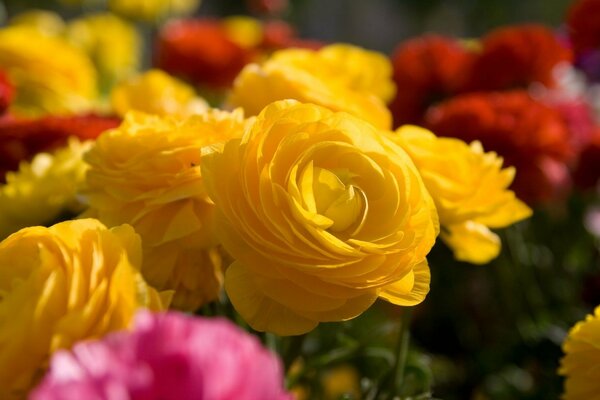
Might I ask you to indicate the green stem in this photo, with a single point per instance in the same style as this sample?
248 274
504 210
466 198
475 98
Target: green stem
401 352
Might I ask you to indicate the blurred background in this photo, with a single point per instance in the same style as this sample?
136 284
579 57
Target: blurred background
484 332
376 24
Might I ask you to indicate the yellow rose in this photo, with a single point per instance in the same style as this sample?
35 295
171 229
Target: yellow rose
156 92
112 43
43 189
581 360
339 77
50 76
147 173
75 280
469 188
152 10
323 215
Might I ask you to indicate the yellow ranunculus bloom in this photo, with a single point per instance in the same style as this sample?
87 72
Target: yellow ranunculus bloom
75 280
152 10
47 22
51 77
243 30
362 70
582 359
323 215
112 43
470 190
147 173
156 92
339 77
43 189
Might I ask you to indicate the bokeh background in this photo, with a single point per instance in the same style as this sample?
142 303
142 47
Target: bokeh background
378 24
484 332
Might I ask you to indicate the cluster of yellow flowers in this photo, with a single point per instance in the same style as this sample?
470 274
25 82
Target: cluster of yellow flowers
321 207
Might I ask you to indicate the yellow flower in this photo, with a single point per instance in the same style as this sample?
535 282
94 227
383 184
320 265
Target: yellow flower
44 189
362 70
156 92
323 215
339 77
47 22
75 280
152 10
470 190
50 76
112 44
341 380
245 31
581 362
147 173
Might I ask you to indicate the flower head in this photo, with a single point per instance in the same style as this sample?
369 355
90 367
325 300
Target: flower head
581 360
168 356
427 69
112 44
323 214
156 92
339 77
469 188
517 56
50 76
43 189
202 52
147 173
75 280
47 22
527 134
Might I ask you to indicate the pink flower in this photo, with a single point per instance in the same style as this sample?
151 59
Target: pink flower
166 356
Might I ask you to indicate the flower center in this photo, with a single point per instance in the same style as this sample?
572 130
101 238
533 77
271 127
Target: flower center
337 199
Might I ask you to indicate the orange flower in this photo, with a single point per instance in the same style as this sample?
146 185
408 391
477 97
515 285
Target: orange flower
200 51
6 92
426 69
517 56
529 135
583 25
21 139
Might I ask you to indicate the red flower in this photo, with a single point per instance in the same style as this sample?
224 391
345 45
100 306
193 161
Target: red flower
426 69
583 22
201 52
22 139
515 57
6 92
529 135
587 174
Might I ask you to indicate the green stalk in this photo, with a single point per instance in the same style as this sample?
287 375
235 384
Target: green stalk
401 352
